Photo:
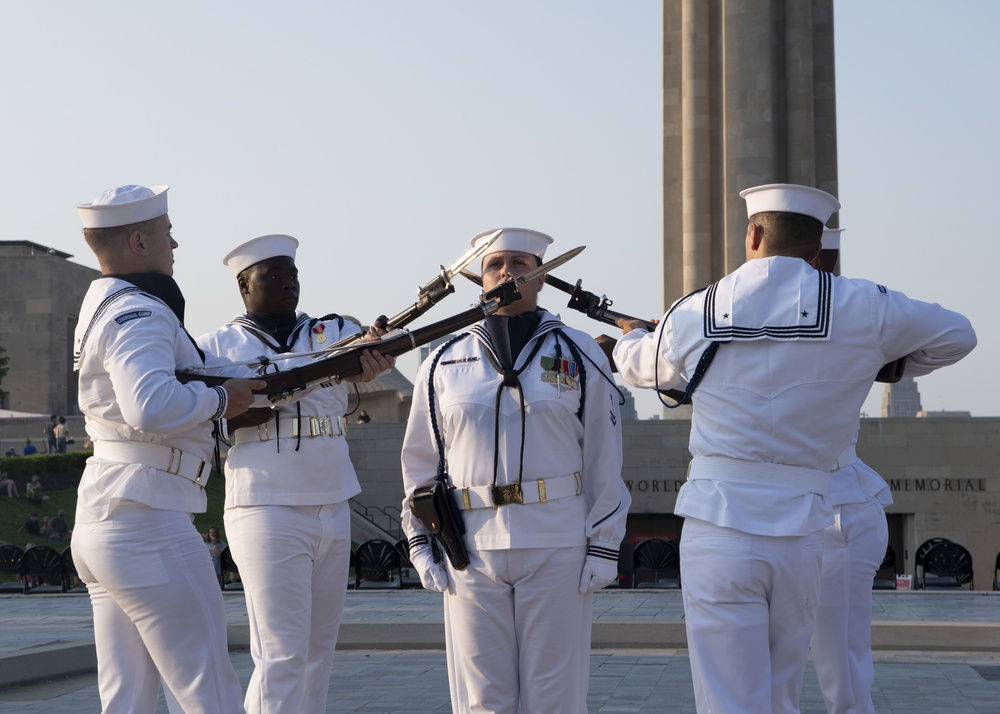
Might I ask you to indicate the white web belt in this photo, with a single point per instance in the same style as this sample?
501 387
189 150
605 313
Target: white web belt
537 491
156 456
723 468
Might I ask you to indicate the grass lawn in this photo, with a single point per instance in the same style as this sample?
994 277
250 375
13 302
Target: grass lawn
15 511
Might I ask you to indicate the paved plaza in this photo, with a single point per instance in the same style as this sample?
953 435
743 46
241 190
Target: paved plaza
392 657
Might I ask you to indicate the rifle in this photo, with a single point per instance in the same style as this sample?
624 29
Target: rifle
346 363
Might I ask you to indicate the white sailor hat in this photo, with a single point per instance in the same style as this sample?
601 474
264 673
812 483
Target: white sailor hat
831 238
521 240
124 205
790 198
253 251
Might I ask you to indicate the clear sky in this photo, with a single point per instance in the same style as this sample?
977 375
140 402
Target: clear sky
385 134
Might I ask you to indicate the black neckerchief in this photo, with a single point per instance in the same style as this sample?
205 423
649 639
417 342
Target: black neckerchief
159 286
277 326
163 288
509 334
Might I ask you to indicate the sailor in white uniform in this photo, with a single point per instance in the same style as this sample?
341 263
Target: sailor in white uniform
854 548
795 353
288 482
519 399
157 607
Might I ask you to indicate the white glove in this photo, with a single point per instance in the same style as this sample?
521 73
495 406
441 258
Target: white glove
433 576
597 572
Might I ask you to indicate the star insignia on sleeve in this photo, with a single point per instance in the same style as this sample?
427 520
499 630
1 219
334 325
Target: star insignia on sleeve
805 313
725 316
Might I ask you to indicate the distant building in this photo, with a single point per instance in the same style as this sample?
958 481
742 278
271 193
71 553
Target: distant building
40 296
901 400
943 413
629 412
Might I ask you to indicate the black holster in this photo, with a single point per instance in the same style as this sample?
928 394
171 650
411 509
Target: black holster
433 506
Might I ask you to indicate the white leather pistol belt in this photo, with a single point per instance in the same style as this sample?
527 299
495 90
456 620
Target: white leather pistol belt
848 457
723 468
536 491
307 427
156 456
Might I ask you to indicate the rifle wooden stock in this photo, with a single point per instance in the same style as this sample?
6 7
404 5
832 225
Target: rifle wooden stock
347 364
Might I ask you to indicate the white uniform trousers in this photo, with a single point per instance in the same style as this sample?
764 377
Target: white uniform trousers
293 562
518 629
749 606
842 639
157 612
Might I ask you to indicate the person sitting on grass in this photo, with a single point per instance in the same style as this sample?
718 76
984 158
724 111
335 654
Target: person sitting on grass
6 482
34 490
60 529
31 526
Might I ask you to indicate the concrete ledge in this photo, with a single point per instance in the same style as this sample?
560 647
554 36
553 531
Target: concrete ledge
39 664
391 636
638 635
936 636
430 636
366 636
886 635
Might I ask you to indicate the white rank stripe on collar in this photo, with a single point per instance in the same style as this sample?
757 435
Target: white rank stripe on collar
251 326
758 303
549 323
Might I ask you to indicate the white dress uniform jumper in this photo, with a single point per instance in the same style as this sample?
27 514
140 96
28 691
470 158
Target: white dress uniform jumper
799 350
150 579
517 626
288 521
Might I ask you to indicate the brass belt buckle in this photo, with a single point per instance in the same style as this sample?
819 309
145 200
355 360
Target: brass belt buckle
506 495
